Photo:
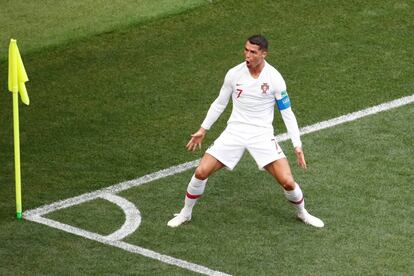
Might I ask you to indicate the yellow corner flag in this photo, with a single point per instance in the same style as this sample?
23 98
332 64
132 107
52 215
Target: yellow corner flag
17 79
17 73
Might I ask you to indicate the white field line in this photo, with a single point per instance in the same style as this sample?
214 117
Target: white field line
108 193
110 190
351 116
192 164
132 217
125 246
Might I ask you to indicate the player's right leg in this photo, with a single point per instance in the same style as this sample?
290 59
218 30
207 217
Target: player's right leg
208 165
281 172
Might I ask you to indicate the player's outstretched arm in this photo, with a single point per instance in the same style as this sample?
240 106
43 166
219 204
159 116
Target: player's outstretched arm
300 158
196 140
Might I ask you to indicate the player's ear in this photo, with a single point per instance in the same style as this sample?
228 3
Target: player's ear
264 53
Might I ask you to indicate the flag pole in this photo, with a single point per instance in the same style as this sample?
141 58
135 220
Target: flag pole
17 79
17 155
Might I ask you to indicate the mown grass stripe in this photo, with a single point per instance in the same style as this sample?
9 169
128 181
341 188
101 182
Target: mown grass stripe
78 20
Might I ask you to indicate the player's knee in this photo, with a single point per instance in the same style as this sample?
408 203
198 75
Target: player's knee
288 183
201 173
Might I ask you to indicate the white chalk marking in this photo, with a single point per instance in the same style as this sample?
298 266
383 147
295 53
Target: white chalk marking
125 246
35 214
351 116
111 189
192 164
132 217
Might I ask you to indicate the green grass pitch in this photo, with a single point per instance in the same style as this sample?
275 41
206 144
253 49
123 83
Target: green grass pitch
115 96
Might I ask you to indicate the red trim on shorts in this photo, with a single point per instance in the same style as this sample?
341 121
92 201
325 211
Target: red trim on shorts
298 202
190 196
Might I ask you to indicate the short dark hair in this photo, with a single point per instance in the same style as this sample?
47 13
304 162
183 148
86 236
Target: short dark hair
259 40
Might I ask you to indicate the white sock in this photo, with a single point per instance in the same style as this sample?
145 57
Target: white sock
195 190
295 196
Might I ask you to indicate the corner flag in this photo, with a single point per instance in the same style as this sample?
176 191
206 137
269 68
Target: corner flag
17 73
17 79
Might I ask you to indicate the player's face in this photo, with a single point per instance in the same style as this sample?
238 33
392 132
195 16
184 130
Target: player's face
253 56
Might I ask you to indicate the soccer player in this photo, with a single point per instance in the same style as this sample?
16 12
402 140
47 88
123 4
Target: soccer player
255 87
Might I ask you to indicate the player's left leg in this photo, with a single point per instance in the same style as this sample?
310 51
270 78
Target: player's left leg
226 151
280 170
195 189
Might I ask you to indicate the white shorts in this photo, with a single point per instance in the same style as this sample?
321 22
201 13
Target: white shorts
260 142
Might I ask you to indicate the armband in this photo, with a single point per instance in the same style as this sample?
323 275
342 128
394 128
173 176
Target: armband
284 102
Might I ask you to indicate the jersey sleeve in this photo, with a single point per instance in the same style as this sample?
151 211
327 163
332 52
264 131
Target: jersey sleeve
281 96
220 103
289 118
292 126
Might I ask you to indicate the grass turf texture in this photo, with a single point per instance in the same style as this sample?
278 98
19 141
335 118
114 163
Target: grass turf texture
244 226
101 217
38 25
122 104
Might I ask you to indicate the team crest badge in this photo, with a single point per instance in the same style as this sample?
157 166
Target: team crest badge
264 87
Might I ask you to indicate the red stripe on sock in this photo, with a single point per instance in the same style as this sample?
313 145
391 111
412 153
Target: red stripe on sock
298 202
190 196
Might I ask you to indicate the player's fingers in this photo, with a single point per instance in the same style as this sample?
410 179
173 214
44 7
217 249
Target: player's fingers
303 165
190 146
191 141
301 160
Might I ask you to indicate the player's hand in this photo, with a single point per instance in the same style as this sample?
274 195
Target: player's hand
300 158
196 140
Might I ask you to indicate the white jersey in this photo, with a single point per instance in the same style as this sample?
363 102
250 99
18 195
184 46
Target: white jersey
254 100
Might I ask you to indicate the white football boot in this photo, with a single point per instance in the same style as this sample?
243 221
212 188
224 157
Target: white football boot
178 219
309 219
